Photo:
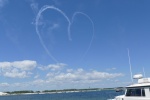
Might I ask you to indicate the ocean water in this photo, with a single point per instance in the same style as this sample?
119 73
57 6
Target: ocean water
95 95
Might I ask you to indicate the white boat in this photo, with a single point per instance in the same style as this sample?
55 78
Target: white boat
137 91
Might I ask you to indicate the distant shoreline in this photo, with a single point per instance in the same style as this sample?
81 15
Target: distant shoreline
28 92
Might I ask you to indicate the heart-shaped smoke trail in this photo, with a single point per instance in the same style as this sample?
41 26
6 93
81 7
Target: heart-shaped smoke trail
37 30
76 13
69 25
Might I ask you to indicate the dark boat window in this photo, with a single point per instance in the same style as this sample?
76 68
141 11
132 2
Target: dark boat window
135 92
143 92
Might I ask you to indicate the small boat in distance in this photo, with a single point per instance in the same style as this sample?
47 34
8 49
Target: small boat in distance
119 89
137 91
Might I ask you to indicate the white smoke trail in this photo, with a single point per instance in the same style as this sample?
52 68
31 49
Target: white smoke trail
69 26
76 13
37 30
130 65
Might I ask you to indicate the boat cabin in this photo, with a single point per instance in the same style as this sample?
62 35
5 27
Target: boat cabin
138 91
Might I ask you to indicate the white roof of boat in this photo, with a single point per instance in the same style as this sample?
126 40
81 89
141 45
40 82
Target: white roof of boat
143 82
139 85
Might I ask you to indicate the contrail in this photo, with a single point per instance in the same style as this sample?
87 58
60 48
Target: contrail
130 65
76 13
70 22
37 30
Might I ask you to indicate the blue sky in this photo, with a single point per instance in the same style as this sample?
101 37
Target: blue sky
55 44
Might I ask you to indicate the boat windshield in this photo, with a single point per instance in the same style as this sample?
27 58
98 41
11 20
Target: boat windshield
135 92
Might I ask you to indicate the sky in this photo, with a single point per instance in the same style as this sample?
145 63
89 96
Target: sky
64 44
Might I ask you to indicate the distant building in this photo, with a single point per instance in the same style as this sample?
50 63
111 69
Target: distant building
2 93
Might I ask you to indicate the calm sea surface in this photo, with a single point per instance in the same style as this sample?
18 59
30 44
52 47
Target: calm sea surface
96 95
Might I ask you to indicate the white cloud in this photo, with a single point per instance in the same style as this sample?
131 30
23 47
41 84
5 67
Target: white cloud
17 69
81 76
15 73
5 66
22 65
4 84
53 75
25 65
53 67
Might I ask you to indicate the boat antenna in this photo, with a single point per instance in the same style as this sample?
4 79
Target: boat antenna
144 72
130 65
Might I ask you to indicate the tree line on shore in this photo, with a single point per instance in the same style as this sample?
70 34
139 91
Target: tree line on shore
58 91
